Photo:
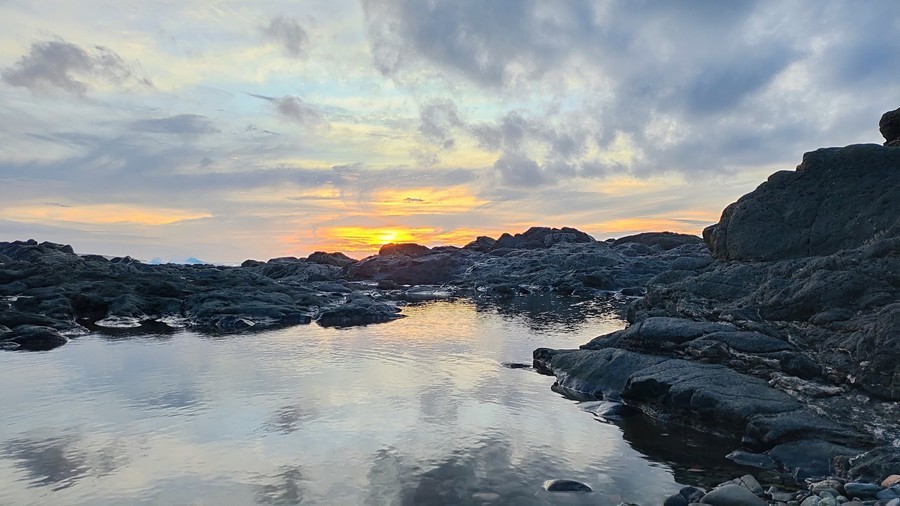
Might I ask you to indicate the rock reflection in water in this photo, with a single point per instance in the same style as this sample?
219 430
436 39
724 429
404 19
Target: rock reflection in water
418 411
545 312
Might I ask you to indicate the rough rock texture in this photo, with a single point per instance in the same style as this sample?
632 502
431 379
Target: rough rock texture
48 294
790 340
890 127
837 198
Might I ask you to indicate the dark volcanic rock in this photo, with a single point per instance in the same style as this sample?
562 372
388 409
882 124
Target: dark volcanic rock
404 249
662 240
796 325
34 338
890 127
335 259
542 237
838 198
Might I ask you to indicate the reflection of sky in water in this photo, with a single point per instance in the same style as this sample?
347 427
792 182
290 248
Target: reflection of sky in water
408 412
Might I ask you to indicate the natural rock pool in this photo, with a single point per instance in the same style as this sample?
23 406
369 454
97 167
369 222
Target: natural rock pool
417 411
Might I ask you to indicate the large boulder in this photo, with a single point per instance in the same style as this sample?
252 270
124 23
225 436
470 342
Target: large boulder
837 198
890 127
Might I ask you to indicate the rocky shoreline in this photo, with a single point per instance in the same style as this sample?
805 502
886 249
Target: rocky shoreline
779 329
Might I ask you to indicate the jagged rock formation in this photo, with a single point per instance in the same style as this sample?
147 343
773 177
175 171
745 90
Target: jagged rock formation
796 325
890 127
48 293
838 198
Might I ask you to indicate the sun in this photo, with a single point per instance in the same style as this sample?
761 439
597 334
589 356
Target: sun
386 236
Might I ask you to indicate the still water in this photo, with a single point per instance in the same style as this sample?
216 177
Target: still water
417 411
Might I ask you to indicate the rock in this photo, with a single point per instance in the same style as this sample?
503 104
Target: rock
566 486
809 458
745 458
542 237
888 494
861 490
707 397
335 259
875 464
893 479
812 500
661 240
750 483
732 495
837 198
404 249
358 310
890 127
35 338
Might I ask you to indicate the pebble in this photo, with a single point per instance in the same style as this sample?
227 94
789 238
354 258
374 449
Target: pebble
887 494
732 495
812 500
893 502
893 479
861 490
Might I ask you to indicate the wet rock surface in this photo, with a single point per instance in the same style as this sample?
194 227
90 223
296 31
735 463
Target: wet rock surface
50 293
788 340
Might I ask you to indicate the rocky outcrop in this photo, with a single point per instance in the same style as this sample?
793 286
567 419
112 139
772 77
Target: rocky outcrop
48 294
790 339
838 198
890 127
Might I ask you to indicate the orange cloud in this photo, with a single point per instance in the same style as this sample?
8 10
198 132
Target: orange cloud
101 214
425 200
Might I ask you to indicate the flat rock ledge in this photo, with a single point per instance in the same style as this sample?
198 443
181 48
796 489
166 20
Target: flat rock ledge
788 341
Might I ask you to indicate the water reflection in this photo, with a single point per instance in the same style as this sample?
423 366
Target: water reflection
59 462
417 411
545 312
288 487
289 419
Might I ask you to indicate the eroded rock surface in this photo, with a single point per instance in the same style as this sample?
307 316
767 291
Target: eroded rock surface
790 338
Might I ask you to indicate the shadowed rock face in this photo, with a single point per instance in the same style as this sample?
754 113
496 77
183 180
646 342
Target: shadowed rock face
49 293
838 198
890 127
796 325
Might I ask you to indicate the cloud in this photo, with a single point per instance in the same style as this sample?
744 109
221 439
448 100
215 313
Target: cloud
296 110
182 124
487 42
61 65
287 32
437 121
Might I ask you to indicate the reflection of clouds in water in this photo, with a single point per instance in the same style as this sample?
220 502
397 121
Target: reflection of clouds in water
549 313
288 419
437 404
60 463
486 472
288 487
174 399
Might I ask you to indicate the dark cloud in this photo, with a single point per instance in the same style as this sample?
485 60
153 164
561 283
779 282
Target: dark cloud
61 65
182 124
287 32
516 169
297 111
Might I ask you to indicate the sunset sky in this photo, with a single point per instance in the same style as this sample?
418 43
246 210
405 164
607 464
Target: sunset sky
227 129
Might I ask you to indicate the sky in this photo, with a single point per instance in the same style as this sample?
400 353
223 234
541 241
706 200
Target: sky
228 129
